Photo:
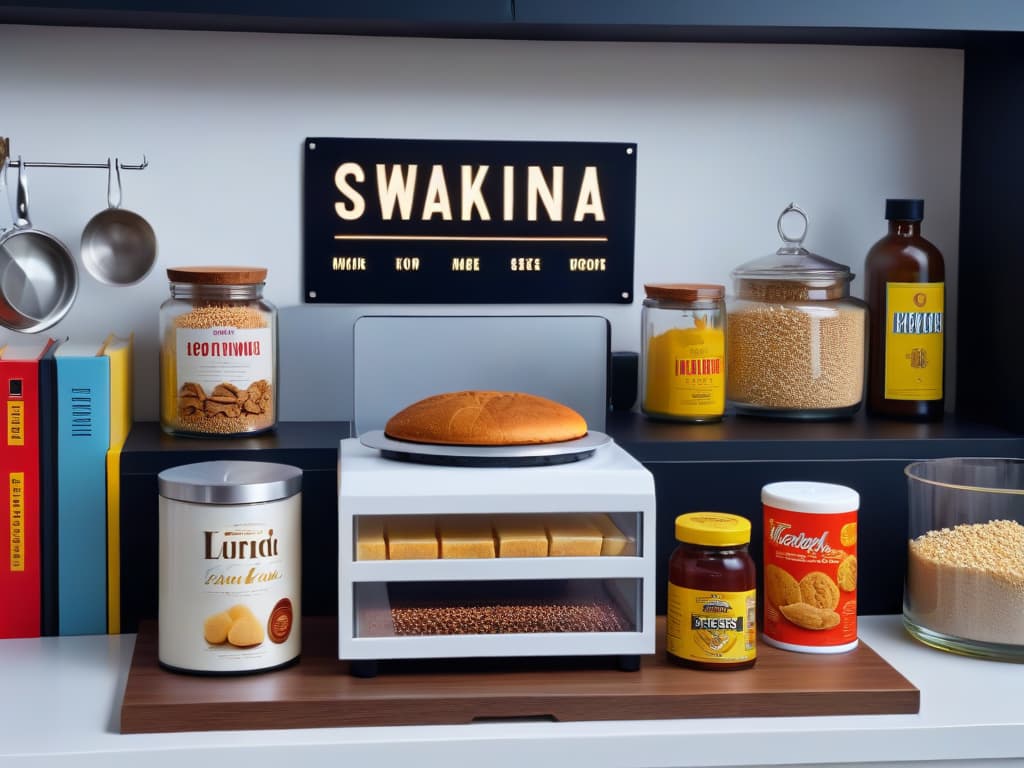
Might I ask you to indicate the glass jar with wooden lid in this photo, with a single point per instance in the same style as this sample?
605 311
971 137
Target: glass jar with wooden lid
218 356
683 369
796 340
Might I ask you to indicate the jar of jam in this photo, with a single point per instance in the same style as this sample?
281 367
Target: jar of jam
218 356
712 593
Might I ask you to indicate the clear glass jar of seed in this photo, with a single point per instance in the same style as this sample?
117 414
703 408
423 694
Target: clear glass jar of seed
218 353
795 338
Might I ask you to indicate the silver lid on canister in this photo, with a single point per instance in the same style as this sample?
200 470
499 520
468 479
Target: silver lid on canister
230 482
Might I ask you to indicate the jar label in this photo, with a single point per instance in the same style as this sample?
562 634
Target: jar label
213 356
810 577
229 585
686 372
221 380
707 626
914 320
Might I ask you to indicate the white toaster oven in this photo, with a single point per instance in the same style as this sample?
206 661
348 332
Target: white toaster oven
398 599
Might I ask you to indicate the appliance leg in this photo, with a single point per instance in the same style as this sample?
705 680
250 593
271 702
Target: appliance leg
629 662
363 668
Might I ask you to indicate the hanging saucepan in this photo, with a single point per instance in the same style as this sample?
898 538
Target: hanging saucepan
38 277
118 245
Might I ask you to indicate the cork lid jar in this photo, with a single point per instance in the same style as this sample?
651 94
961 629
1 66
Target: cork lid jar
795 346
218 355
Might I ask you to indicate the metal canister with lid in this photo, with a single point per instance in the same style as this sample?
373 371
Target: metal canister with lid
684 352
218 354
230 567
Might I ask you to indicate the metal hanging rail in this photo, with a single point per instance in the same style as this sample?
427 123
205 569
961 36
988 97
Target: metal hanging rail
41 164
5 151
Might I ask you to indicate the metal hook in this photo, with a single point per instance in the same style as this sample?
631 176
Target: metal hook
22 220
5 164
112 201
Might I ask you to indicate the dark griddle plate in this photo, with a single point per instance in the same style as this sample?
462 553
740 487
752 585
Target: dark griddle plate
486 455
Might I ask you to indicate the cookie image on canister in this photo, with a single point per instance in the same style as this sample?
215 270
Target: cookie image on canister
846 574
810 616
780 587
818 589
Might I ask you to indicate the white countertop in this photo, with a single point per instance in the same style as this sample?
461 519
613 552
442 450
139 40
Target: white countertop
60 701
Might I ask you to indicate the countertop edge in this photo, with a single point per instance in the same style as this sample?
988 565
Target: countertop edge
73 686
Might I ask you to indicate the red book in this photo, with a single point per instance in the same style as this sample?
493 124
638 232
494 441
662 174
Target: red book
20 594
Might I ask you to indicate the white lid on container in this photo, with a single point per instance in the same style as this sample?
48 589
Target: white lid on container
230 482
806 496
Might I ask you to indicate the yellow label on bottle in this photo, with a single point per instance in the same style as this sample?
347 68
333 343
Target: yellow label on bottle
707 626
686 372
914 322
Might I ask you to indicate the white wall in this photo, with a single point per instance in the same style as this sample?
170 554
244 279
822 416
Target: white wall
727 135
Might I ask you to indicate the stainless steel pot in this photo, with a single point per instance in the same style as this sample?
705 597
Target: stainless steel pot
118 245
38 276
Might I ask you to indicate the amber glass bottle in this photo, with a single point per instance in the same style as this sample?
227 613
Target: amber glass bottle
906 295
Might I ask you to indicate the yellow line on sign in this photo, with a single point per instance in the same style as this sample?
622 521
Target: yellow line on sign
476 239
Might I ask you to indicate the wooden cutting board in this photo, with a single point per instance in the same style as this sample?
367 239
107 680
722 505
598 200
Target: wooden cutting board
319 692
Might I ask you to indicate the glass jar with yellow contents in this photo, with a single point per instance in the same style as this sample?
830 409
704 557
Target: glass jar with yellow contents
683 368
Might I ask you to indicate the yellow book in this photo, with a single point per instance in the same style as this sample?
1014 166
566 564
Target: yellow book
119 351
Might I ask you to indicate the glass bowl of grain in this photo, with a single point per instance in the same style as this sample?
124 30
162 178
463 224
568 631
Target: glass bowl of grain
965 563
795 337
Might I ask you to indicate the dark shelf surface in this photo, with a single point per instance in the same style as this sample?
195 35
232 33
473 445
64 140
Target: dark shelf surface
310 445
314 445
875 22
743 438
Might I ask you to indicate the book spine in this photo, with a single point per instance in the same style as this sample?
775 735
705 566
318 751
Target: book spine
48 494
83 435
121 413
20 599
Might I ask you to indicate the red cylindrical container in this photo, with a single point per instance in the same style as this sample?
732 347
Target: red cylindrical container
810 566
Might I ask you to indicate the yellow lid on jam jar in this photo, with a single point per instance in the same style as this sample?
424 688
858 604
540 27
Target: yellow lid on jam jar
713 529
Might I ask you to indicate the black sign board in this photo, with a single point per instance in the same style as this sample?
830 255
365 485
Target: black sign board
421 221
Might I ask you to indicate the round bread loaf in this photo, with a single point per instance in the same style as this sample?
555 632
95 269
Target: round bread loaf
475 417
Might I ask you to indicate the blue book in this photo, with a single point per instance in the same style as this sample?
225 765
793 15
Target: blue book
83 437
